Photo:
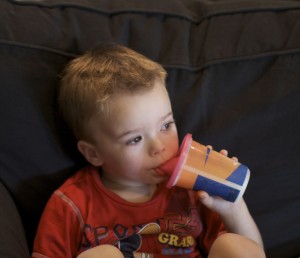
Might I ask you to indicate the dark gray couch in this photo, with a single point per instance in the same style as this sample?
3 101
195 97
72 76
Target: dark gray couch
234 82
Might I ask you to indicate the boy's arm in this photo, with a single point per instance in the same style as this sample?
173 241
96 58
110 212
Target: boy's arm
102 251
236 216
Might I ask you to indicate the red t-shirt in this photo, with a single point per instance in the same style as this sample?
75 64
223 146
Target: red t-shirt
83 214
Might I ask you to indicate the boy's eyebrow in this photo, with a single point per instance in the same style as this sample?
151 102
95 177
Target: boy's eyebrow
136 130
126 133
167 115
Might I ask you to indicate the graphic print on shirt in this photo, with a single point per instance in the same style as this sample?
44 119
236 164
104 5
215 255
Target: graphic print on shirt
174 234
179 232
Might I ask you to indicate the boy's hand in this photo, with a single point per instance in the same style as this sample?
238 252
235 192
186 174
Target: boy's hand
217 204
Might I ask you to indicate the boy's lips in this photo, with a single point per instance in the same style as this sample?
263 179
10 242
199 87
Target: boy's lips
167 168
159 171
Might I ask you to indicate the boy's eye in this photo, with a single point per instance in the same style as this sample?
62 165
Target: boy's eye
134 140
167 125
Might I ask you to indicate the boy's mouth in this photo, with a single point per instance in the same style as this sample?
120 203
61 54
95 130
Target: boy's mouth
159 171
167 168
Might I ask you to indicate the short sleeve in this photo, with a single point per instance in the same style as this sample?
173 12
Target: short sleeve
59 225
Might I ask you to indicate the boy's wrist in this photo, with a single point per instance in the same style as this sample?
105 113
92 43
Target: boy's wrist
235 212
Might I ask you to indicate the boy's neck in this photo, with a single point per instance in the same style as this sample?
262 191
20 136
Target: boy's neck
132 193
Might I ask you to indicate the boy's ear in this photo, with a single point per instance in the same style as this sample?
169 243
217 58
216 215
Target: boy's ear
90 153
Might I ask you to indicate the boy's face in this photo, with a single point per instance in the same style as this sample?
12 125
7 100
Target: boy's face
138 136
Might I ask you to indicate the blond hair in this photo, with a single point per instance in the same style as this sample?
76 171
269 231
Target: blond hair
90 81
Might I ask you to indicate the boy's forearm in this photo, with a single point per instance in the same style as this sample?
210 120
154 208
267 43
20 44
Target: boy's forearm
238 220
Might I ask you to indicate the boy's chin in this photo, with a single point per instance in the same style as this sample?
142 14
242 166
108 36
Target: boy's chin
158 179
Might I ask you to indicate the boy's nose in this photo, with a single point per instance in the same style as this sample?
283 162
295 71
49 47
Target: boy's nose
157 147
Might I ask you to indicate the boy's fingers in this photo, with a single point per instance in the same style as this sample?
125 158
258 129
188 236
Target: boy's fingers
224 152
205 199
235 159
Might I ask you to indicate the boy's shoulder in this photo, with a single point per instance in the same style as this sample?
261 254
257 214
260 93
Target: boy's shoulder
82 179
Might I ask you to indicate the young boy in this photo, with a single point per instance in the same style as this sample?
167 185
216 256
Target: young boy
117 105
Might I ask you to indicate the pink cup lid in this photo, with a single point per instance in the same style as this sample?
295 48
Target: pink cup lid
183 152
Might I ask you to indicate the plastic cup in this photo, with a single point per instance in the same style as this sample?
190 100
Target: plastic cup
200 168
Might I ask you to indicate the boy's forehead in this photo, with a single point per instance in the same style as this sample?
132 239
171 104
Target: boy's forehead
123 99
137 109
